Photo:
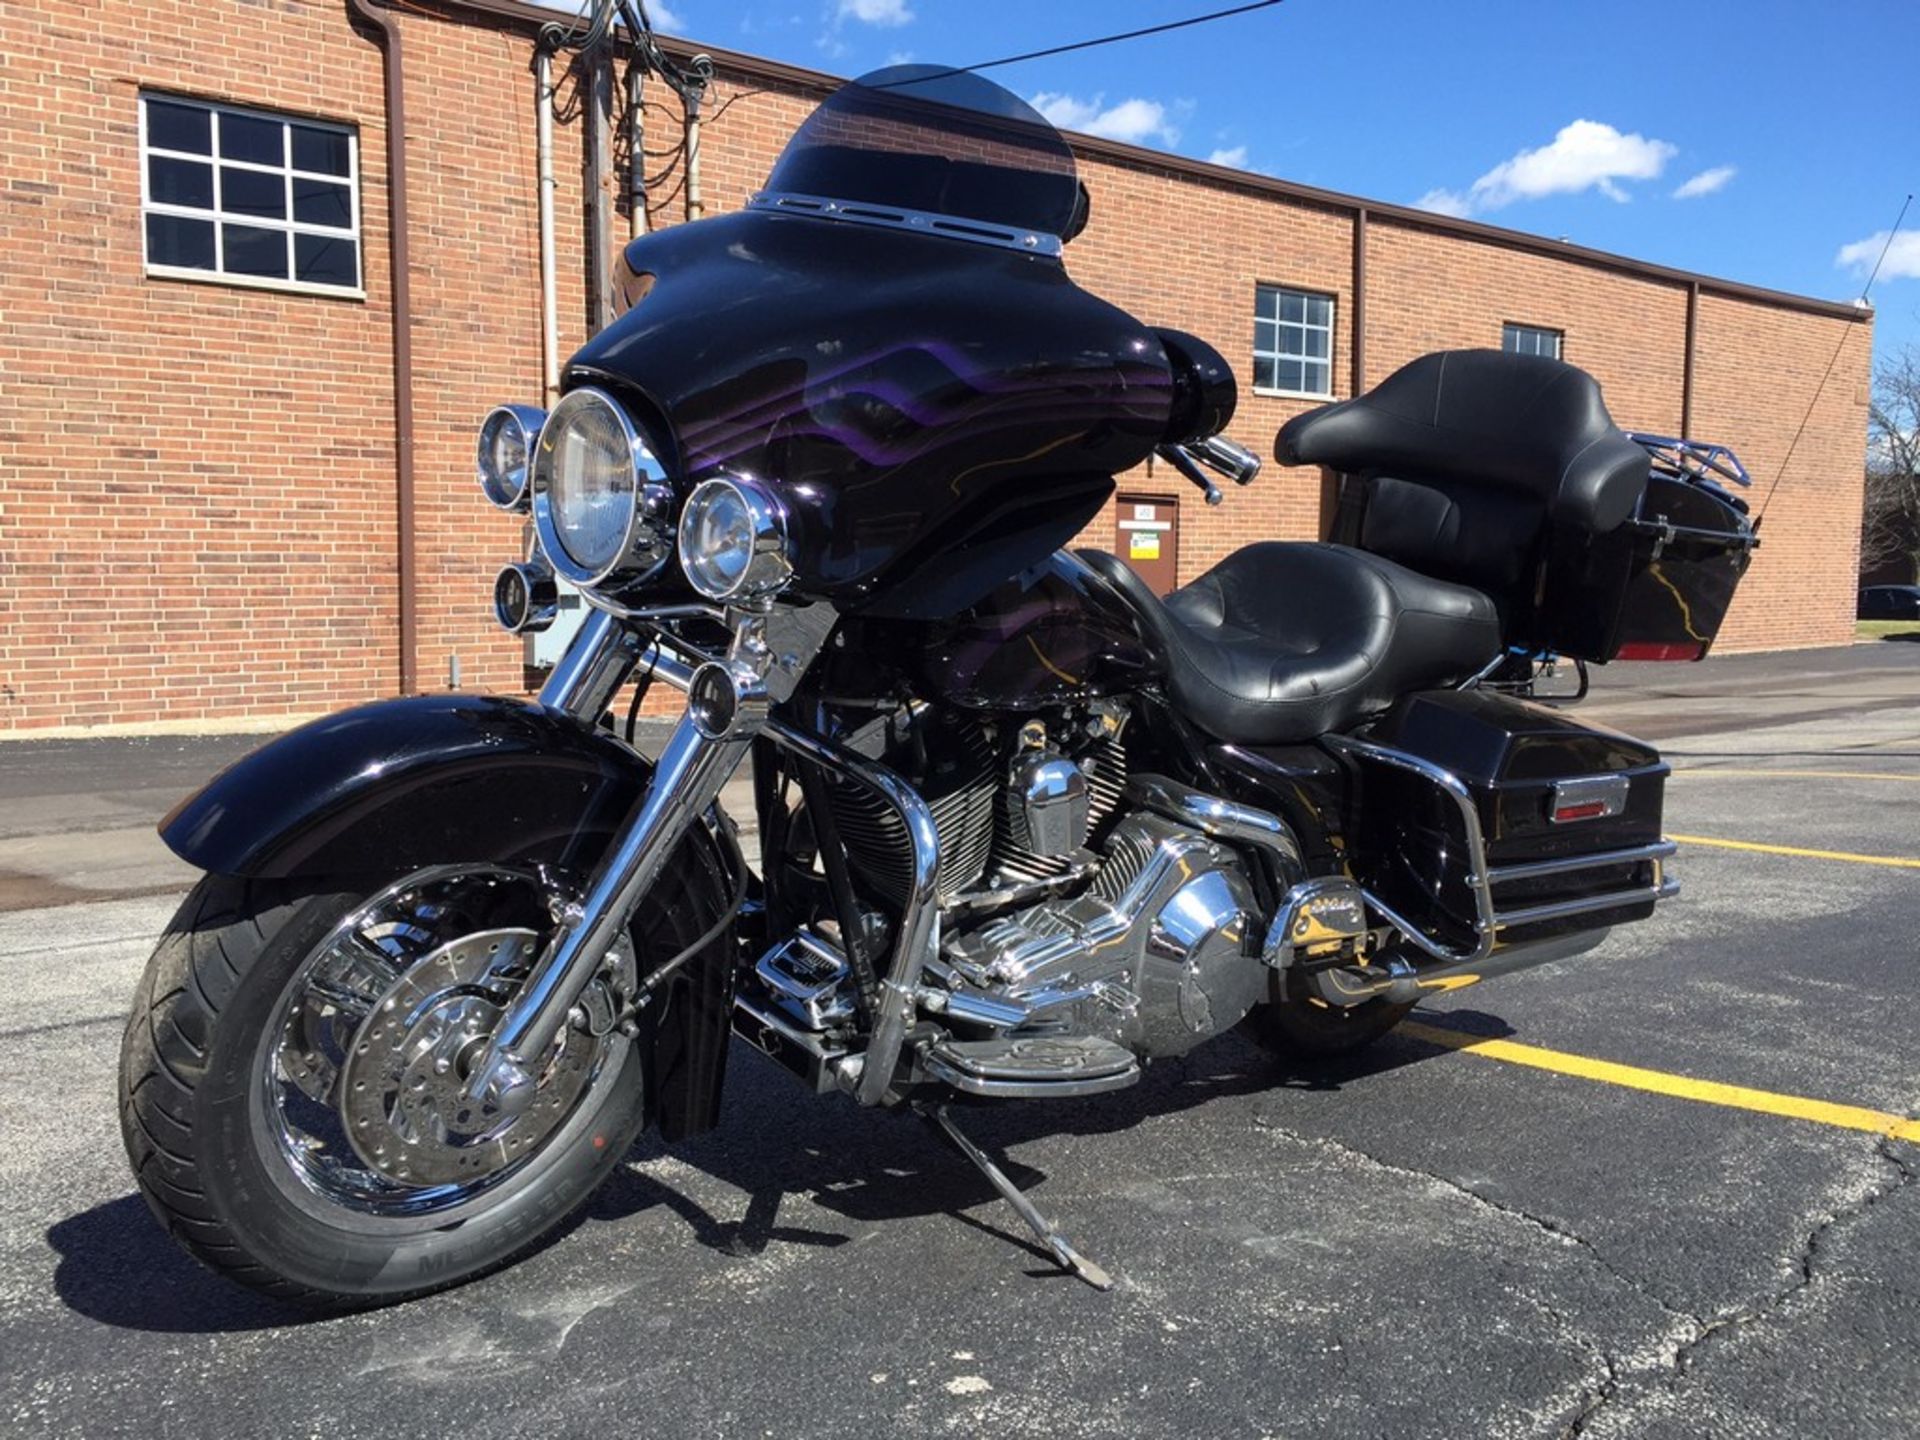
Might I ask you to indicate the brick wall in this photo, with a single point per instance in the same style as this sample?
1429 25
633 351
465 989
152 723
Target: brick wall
195 481
197 518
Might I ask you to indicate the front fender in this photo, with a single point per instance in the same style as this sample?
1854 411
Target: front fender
401 784
396 786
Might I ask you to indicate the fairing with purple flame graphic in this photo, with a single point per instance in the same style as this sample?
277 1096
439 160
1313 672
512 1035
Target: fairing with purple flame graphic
938 413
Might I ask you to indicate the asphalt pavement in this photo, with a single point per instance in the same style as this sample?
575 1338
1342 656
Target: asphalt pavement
1592 1199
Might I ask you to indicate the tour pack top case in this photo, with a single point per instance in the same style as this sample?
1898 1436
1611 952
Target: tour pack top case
1506 473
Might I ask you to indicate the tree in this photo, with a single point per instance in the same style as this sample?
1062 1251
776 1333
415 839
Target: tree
1890 521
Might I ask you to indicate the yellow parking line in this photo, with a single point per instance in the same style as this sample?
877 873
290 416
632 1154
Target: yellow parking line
1848 855
1659 1082
1798 774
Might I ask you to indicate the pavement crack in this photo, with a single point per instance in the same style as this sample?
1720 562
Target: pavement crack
1541 1223
1804 1271
1672 1360
54 1026
1668 1355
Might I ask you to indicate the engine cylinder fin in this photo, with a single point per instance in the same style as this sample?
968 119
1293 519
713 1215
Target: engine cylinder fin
960 798
1104 767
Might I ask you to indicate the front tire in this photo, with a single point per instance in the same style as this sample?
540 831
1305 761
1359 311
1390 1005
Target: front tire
243 1153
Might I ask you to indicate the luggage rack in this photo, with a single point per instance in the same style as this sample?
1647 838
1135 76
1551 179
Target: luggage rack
1692 459
1482 878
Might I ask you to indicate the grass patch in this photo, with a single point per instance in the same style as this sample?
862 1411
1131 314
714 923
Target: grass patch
1881 629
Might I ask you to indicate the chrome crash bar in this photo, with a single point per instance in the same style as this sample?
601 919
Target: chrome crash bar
1489 919
870 1074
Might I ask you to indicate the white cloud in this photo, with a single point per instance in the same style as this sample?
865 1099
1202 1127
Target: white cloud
1233 159
1135 121
1444 202
1706 182
1586 155
1903 256
876 12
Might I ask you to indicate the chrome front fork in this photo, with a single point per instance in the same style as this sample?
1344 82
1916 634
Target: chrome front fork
726 707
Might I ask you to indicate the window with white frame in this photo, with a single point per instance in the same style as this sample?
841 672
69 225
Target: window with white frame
1292 341
1530 340
247 197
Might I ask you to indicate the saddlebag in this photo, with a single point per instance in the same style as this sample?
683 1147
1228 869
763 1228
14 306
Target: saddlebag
1480 821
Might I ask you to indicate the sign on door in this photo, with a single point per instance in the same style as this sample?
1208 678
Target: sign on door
1147 537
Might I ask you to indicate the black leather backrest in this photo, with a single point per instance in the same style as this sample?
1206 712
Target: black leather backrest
1484 417
1469 534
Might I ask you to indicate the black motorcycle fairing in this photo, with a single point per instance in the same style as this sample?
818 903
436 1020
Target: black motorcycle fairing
399 785
1205 393
903 391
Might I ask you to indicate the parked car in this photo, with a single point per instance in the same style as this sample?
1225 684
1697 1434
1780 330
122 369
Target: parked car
1890 602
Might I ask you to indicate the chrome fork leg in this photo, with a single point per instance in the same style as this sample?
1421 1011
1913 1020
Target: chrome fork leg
687 780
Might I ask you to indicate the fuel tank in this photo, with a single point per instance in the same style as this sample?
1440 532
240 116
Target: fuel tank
1055 634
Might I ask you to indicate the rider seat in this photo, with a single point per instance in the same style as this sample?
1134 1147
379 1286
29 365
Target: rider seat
1283 641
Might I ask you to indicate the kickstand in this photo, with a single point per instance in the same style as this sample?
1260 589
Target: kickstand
1056 1243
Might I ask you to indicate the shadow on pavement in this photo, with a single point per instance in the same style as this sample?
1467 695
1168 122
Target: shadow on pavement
119 1268
873 1168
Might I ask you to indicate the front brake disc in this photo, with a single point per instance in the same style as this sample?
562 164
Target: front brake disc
402 1088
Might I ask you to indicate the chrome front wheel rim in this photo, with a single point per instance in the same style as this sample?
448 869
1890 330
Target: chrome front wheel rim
357 1084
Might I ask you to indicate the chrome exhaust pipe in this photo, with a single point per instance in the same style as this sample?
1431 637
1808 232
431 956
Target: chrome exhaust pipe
1400 982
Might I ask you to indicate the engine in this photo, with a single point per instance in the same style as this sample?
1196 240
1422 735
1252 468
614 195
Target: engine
1068 910
1017 808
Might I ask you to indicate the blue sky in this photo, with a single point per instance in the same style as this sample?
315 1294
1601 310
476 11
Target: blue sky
1761 140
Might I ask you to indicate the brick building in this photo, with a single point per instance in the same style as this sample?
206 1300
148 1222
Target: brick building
201 490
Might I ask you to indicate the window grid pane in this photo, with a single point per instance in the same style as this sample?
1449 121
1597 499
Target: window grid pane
1292 341
281 206
1530 340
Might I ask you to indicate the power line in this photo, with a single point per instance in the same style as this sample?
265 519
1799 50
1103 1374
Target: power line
1109 39
1865 290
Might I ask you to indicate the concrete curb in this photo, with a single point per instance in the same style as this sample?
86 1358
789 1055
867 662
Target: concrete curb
132 730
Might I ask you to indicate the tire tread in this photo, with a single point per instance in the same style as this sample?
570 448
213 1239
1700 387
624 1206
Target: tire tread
157 1088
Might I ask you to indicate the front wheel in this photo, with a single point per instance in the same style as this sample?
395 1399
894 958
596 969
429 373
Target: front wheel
291 1081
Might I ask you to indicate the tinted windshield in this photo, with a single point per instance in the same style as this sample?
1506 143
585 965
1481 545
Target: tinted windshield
923 138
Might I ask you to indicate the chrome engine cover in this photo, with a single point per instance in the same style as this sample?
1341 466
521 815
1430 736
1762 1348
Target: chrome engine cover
1159 953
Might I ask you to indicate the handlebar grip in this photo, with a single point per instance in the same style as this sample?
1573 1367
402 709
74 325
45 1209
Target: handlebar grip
1227 457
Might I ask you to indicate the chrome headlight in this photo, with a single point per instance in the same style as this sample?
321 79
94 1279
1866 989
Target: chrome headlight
601 503
507 439
733 540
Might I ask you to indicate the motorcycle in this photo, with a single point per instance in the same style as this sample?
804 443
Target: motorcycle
1025 826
